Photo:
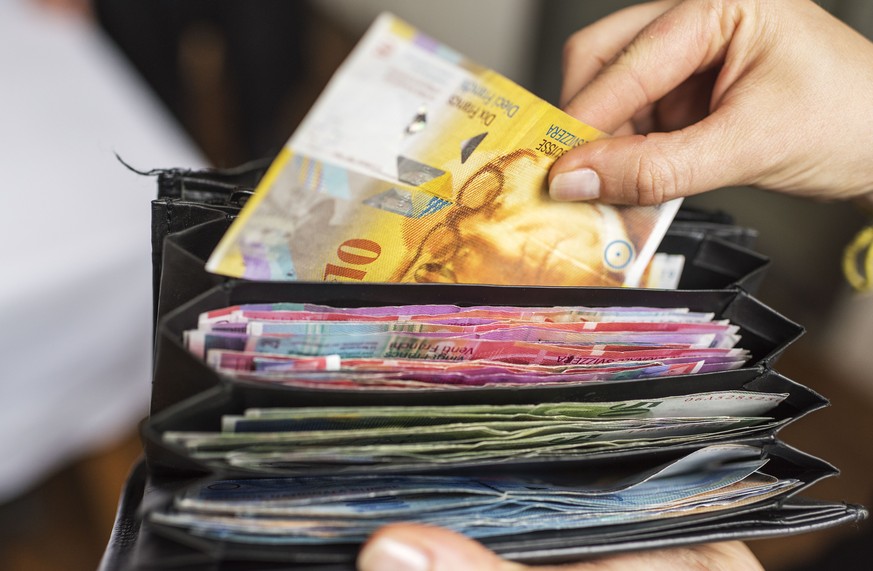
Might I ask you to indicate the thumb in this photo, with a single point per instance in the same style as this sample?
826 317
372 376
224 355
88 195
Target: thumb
417 547
648 169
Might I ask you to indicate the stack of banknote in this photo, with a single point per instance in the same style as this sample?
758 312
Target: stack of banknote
450 346
347 509
333 474
406 437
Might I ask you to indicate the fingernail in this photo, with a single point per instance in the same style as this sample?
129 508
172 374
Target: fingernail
582 184
386 554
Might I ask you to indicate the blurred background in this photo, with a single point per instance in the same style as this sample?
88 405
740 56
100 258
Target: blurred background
163 83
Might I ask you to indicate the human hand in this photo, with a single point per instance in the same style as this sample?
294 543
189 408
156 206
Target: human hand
709 93
416 547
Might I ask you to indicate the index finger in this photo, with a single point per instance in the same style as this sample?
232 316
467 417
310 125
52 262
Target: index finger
685 39
587 51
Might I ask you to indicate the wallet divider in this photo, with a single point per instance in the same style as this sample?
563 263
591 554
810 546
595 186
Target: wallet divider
183 276
713 263
170 217
761 523
764 332
203 411
558 546
561 548
710 262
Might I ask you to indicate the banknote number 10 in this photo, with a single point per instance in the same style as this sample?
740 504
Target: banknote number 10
355 252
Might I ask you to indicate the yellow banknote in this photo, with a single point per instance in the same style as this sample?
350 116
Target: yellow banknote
417 165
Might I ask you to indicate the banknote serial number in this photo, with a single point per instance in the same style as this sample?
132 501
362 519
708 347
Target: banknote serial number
550 149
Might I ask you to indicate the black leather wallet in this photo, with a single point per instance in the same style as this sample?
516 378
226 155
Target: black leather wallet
190 396
195 208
